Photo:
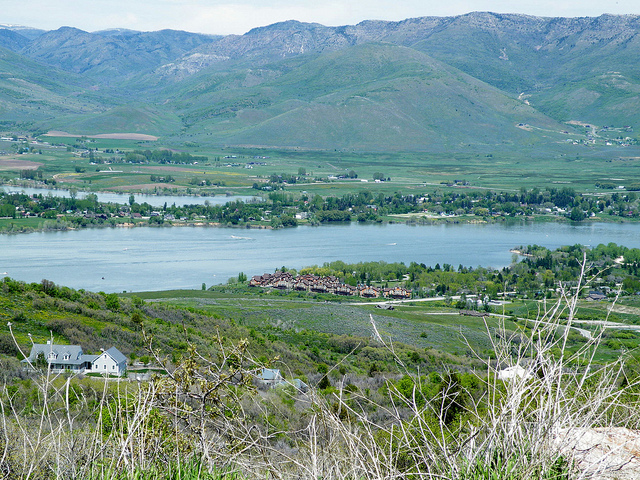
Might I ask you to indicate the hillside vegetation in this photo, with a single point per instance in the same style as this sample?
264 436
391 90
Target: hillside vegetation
367 407
423 84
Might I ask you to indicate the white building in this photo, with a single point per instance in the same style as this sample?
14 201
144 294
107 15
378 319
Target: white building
510 373
110 362
61 358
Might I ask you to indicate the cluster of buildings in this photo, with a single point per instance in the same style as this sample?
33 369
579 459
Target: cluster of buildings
71 358
111 362
316 284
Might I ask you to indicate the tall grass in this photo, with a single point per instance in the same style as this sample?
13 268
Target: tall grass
204 414
529 426
175 470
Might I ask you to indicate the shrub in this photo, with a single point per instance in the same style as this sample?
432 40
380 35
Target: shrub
447 425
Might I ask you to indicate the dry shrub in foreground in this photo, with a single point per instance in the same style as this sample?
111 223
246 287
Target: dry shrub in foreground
205 409
532 426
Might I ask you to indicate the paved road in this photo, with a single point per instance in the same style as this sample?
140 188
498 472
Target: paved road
408 300
585 333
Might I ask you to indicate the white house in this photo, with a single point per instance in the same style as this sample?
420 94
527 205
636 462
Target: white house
110 362
510 373
270 376
273 378
70 358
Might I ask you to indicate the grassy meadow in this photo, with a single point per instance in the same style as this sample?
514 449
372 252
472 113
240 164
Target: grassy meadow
431 325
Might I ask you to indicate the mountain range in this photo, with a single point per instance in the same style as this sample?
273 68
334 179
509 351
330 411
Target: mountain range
430 83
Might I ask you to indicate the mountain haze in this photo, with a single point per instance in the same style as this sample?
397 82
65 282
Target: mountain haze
419 84
112 56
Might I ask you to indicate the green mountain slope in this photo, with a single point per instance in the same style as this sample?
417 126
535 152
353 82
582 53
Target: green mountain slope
30 91
12 40
370 96
569 68
431 82
128 118
111 58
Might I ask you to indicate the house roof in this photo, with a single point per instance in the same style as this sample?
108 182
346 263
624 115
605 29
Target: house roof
62 361
270 374
73 351
299 384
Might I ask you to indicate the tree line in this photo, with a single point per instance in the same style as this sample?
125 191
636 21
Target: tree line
282 209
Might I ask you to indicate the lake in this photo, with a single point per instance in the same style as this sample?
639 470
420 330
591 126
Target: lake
163 258
123 198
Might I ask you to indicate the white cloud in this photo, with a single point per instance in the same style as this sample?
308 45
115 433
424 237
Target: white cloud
239 18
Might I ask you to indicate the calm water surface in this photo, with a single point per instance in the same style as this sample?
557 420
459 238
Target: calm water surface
138 259
123 198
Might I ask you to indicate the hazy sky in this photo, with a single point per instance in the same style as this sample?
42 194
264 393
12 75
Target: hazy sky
239 16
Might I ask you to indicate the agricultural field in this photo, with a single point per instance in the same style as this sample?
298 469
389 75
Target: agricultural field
67 161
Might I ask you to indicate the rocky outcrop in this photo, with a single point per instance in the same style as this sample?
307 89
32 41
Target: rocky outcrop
605 453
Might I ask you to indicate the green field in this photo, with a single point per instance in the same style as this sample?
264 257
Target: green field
499 168
424 325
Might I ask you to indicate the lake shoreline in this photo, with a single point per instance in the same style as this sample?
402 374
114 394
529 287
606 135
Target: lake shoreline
224 192
108 209
137 259
62 224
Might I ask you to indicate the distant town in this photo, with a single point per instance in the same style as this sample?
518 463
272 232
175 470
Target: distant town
316 284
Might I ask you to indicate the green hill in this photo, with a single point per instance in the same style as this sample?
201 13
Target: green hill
373 96
30 91
129 118
430 83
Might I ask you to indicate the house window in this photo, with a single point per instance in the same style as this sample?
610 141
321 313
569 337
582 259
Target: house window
104 366
113 367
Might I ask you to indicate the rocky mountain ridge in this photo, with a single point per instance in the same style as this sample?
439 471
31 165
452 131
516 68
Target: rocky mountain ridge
442 37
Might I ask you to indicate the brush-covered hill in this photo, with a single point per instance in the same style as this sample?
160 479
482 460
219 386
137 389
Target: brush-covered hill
39 312
419 84
370 96
32 92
